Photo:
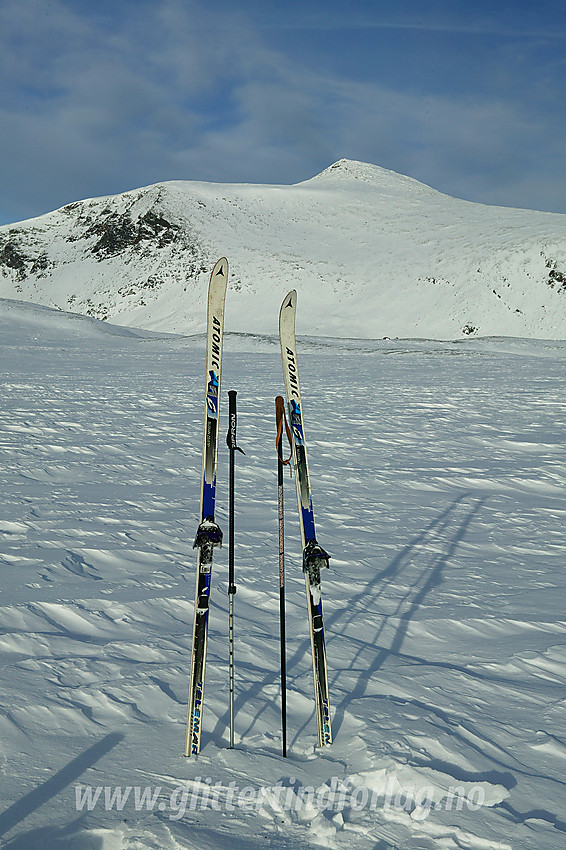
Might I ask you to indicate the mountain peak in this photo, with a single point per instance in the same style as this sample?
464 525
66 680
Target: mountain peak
352 174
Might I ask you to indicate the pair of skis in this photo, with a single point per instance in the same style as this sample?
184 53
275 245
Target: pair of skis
208 533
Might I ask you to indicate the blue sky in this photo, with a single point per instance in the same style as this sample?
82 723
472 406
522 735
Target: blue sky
99 97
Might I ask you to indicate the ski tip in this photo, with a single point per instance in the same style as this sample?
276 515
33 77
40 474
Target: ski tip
220 268
290 301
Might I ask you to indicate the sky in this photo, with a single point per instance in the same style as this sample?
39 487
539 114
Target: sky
100 97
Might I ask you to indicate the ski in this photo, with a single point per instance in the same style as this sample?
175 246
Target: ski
208 533
314 556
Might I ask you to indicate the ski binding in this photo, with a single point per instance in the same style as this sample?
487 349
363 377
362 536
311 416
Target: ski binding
208 534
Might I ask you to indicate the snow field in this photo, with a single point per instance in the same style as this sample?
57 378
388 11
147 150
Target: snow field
438 475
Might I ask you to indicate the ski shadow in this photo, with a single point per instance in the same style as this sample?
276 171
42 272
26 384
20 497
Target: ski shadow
428 555
49 836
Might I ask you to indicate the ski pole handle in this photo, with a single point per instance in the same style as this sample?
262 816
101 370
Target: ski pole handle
232 420
232 423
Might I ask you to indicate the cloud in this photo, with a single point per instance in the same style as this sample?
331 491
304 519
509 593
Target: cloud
99 98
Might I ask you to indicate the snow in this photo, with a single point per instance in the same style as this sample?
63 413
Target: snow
438 473
385 255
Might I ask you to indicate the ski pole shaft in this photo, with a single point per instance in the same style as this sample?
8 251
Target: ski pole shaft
231 440
279 417
232 445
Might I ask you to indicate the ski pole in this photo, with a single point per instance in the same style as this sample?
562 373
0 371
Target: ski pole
231 443
280 418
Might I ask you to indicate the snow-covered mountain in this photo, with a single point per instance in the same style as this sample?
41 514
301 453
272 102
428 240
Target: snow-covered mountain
371 252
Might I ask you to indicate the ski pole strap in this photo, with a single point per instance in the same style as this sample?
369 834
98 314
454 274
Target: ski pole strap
281 418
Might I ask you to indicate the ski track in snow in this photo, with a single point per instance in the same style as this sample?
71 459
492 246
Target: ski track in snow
438 475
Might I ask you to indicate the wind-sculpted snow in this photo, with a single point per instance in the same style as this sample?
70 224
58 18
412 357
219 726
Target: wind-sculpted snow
438 475
371 253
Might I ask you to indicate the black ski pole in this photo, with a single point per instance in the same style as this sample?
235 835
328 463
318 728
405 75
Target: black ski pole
231 443
280 418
